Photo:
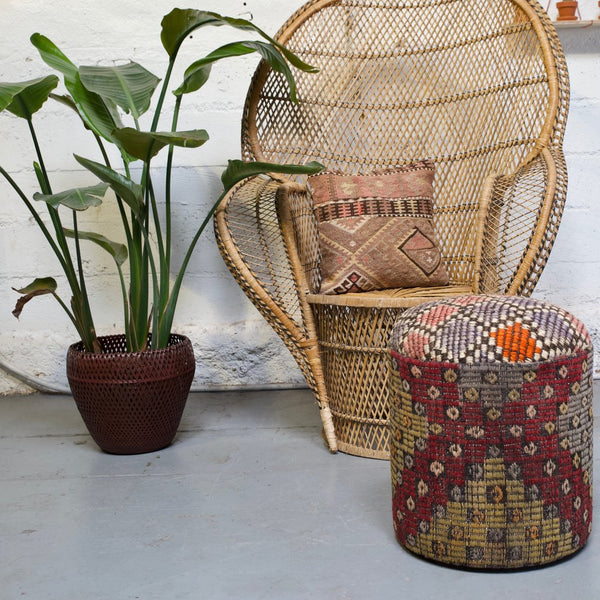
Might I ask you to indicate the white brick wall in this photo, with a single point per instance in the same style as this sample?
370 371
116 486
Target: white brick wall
233 344
572 276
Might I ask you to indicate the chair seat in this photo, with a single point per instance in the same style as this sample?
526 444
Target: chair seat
392 298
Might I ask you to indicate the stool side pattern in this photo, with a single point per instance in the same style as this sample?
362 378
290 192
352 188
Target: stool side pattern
492 462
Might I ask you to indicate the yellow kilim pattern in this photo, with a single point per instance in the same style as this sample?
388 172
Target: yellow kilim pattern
504 528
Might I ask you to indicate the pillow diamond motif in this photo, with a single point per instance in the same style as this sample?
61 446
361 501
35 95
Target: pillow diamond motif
422 251
376 230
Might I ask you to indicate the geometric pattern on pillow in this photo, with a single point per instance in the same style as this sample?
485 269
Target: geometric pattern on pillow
376 230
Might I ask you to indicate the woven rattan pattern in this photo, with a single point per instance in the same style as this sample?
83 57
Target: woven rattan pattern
131 402
481 88
397 84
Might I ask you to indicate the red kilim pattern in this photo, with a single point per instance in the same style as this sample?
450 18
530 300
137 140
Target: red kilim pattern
381 207
492 462
487 479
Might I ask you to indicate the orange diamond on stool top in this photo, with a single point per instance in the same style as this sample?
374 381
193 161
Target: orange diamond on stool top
516 342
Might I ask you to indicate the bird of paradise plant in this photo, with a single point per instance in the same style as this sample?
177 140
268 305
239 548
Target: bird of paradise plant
102 96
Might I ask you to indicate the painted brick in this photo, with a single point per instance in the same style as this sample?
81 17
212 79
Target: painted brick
234 346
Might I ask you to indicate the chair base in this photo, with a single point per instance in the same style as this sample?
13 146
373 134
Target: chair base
354 332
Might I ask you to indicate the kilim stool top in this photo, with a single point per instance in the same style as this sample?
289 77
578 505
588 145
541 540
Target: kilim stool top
491 445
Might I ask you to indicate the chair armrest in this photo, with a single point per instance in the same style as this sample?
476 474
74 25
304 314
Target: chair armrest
255 236
518 220
251 243
300 231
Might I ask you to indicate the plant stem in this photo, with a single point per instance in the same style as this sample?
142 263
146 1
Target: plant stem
156 217
169 313
163 93
161 291
83 329
66 309
85 302
86 327
53 212
168 185
122 212
40 158
138 290
125 305
156 283
36 216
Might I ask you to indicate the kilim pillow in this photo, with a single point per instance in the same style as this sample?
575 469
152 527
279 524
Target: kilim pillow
376 230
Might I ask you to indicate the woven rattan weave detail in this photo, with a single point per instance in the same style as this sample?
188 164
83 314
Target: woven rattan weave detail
480 88
131 402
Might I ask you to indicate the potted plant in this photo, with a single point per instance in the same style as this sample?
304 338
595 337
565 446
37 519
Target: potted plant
567 10
130 389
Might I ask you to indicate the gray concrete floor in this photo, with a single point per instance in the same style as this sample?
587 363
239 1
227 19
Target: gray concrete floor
246 504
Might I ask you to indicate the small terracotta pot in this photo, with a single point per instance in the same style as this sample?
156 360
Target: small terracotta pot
131 402
567 10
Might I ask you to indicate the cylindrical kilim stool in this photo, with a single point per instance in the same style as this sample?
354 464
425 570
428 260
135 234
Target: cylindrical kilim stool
491 445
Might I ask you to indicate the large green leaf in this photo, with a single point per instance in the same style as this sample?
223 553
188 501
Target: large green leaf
96 113
38 287
197 74
180 23
116 250
144 144
129 191
54 57
130 86
8 92
237 170
68 101
77 198
39 175
27 97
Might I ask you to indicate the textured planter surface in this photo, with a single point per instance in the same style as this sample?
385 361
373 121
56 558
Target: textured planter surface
131 402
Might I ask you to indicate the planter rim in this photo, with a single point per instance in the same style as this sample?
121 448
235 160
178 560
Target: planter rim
118 365
77 347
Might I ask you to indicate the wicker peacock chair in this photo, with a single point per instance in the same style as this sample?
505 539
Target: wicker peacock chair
480 88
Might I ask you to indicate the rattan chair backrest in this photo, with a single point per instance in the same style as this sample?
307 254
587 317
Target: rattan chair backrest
477 86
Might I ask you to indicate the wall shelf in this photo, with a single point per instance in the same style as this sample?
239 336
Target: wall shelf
579 24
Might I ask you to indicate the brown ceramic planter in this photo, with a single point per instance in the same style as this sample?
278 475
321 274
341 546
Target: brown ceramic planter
131 402
567 10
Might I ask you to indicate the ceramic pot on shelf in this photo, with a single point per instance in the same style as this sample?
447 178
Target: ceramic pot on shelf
567 10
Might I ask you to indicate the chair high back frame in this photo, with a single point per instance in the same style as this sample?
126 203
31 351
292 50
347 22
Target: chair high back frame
480 88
